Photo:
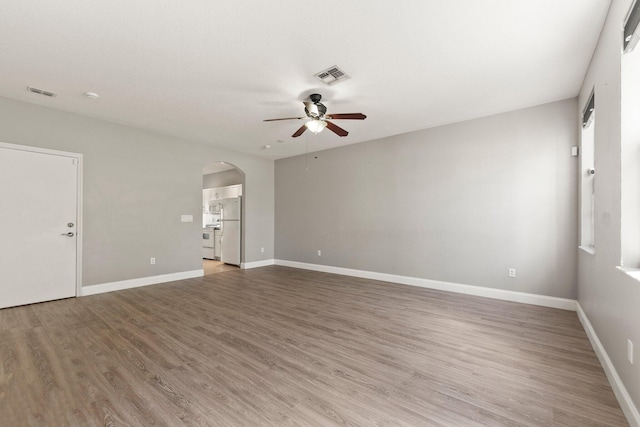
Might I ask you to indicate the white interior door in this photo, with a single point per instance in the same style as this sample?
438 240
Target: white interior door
38 226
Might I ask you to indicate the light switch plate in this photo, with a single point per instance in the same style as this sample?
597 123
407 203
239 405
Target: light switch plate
186 218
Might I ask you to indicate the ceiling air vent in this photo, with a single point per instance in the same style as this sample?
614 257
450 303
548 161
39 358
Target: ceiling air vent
332 75
41 92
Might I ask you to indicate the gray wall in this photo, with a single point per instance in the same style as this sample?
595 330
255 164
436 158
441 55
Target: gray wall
610 298
460 203
222 179
136 186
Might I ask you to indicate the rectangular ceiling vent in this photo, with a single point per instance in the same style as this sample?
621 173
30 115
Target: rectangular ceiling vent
331 75
41 92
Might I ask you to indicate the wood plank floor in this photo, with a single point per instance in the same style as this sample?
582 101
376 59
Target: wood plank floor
286 347
212 267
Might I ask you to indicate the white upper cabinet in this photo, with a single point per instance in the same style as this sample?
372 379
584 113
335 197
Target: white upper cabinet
232 191
206 197
210 197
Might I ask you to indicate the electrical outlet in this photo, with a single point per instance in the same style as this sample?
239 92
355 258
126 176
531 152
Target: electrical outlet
319 252
152 260
630 351
262 250
512 272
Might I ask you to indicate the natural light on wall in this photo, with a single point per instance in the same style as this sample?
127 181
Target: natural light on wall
587 176
630 150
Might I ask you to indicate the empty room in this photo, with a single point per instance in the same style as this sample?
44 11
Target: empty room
362 213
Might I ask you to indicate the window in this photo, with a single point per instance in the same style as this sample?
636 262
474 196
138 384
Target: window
587 176
630 145
631 34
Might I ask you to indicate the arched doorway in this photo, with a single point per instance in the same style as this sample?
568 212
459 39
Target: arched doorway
223 195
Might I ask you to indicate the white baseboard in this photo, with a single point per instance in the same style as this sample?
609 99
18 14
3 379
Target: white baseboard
142 281
627 405
534 299
255 264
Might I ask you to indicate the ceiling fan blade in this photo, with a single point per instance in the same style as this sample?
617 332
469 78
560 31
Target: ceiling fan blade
299 131
336 129
350 116
286 118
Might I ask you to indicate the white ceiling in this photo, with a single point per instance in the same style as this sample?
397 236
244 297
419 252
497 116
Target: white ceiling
212 70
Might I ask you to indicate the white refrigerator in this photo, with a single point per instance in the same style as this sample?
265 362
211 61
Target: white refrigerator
230 225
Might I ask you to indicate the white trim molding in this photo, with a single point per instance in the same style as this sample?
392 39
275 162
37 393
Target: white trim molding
625 401
634 273
142 281
526 298
256 264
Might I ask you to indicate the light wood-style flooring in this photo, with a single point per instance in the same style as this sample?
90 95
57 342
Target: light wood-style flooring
278 346
212 267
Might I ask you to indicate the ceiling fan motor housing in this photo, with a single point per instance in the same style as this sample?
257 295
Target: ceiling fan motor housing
315 109
315 97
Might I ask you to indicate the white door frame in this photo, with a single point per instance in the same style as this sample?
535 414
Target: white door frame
79 159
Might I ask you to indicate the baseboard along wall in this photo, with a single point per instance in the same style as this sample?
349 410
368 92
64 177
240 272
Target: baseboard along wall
142 281
534 299
256 264
627 405
527 298
625 401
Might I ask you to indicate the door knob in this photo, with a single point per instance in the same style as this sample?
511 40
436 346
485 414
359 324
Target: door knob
69 234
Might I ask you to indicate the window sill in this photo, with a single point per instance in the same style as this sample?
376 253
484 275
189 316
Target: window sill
634 273
588 249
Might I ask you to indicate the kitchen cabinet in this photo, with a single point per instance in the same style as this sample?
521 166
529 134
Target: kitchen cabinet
210 195
212 198
217 237
232 191
217 193
206 197
227 193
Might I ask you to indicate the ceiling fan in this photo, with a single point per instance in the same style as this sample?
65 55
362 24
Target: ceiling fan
316 111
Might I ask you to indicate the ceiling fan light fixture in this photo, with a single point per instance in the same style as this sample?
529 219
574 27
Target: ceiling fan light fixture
316 125
316 112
